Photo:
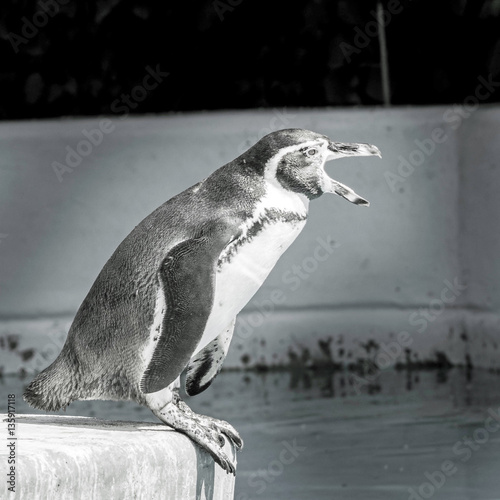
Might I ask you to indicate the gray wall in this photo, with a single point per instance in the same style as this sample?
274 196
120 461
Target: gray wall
430 223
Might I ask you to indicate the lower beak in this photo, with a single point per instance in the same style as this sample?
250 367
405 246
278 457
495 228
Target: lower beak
340 150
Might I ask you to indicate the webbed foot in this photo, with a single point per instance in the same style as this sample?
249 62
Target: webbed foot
206 431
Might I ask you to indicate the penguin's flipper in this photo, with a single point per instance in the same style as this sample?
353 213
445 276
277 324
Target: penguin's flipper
187 278
205 366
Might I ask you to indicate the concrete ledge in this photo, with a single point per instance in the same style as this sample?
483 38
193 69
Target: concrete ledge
85 458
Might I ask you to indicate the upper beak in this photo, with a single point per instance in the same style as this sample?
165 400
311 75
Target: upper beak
352 149
339 150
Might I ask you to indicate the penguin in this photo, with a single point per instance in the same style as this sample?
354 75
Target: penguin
167 298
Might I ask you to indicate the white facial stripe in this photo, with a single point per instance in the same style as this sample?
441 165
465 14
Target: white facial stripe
272 167
272 164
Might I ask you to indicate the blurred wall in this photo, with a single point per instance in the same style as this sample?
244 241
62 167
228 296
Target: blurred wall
418 269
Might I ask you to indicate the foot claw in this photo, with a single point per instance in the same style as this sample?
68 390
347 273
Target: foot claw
209 433
230 432
222 459
237 441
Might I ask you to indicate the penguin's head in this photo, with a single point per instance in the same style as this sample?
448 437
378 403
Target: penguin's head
295 158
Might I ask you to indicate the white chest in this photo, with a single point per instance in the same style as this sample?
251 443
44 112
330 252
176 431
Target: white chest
246 262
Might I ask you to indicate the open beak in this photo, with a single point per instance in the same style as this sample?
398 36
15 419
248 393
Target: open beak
340 150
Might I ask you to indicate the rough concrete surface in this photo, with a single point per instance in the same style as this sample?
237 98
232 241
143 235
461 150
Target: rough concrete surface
84 458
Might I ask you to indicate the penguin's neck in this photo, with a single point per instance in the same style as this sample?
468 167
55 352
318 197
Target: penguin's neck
278 207
277 197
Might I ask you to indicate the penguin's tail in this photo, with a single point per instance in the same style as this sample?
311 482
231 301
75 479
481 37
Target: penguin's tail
55 387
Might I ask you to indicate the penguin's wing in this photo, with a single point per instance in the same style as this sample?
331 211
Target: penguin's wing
205 366
187 278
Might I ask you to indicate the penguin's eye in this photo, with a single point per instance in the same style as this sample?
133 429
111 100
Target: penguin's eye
311 152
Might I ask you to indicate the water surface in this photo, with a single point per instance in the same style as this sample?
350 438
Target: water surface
404 434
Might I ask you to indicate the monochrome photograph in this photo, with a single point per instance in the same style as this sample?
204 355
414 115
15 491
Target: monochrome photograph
250 250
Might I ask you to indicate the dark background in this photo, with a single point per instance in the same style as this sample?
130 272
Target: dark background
239 54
